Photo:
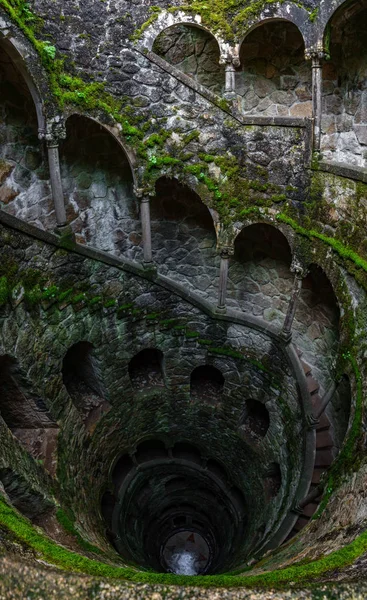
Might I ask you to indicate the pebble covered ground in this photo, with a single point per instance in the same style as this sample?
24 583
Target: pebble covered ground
26 580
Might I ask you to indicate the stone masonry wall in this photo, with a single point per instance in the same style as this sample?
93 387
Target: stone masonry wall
147 318
183 237
344 122
24 178
193 51
98 187
275 78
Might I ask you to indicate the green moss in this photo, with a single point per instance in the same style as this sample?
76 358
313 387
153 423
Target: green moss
50 293
68 525
78 298
4 290
338 247
65 295
152 316
49 551
230 18
111 302
33 296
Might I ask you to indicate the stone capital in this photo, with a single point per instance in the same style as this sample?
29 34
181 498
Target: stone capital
226 252
316 54
298 269
54 132
312 421
143 194
230 59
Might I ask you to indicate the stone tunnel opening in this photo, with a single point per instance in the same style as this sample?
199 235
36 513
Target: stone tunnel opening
191 516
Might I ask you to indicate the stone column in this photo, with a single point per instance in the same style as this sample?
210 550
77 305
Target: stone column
286 331
145 225
231 61
54 133
225 254
317 58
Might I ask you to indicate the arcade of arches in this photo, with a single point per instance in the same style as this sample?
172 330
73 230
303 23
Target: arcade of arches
183 279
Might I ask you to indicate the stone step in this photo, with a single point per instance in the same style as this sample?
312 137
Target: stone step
324 423
306 368
324 439
317 472
301 523
324 458
310 509
313 386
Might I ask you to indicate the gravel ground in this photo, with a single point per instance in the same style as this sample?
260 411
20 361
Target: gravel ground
26 580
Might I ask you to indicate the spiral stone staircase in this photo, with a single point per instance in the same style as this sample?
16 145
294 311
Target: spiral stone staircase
182 292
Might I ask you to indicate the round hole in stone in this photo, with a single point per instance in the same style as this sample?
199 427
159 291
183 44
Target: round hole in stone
186 552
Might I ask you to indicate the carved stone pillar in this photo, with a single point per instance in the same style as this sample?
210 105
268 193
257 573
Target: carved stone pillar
145 225
286 332
54 133
231 61
225 255
317 58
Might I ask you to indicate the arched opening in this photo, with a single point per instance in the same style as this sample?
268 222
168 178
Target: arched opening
193 51
260 280
272 481
316 326
256 417
275 78
150 450
83 381
344 123
338 412
185 451
98 184
26 414
146 369
121 470
206 384
183 237
24 187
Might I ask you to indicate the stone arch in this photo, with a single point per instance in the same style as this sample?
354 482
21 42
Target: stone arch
98 181
256 417
206 384
327 12
194 51
165 20
24 174
83 381
114 131
344 115
184 237
146 369
259 272
316 324
275 78
20 56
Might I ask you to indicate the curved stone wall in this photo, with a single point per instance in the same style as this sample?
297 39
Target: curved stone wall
182 359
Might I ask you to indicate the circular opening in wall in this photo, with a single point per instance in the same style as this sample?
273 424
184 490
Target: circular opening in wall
186 552
174 511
